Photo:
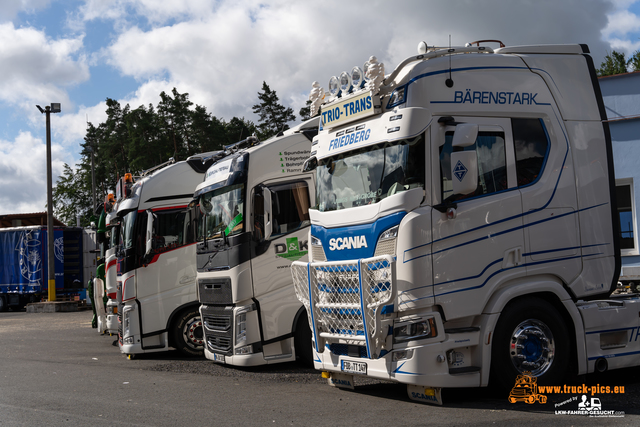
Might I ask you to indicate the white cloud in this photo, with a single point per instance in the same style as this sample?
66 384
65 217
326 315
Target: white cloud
23 173
220 51
10 8
37 70
622 31
621 23
221 55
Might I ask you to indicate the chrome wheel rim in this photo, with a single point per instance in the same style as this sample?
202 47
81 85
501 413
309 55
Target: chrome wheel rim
193 334
532 347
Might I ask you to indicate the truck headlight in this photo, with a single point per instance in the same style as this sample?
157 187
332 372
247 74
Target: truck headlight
422 329
126 321
387 242
241 328
241 323
247 349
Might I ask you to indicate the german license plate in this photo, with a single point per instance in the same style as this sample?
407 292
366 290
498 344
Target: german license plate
218 357
354 367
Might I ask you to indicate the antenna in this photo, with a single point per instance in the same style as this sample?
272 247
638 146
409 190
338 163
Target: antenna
449 81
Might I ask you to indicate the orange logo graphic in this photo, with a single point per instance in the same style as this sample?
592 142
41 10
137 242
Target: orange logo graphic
526 390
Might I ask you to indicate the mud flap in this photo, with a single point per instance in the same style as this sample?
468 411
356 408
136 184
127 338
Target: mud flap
430 395
336 379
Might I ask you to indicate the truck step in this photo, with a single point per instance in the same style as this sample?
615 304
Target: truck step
462 330
464 370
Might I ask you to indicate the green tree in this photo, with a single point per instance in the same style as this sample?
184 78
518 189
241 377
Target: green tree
72 196
273 117
239 129
634 61
305 112
133 140
614 63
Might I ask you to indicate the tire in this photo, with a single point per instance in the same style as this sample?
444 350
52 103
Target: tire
302 342
188 336
3 303
530 336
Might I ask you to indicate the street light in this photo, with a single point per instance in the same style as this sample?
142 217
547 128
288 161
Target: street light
54 108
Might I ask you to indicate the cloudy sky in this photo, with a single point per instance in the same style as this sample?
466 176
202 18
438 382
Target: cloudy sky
79 53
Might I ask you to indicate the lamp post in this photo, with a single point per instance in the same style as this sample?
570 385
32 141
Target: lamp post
54 108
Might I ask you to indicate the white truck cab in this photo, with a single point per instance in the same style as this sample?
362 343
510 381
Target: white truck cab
254 203
465 219
156 275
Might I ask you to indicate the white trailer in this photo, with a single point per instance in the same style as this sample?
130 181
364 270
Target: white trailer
156 275
465 226
255 204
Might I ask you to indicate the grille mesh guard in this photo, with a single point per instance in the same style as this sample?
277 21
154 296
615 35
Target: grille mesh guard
344 300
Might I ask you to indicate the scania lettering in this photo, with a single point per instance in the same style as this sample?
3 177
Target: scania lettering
469 234
255 222
156 273
347 243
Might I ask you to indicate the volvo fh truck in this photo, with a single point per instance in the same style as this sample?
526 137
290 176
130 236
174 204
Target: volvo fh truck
255 203
156 273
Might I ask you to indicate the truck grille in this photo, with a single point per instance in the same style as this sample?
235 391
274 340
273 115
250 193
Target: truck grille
219 344
317 253
218 323
218 328
343 299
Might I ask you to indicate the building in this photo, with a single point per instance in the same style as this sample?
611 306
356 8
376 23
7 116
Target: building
27 219
621 94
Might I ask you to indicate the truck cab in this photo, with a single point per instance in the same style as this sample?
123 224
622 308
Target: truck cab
156 275
465 217
254 206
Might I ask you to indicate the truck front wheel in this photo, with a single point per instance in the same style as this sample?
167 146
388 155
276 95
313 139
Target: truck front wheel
530 337
188 336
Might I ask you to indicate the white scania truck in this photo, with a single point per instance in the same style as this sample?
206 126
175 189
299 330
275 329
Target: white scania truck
465 225
254 203
156 274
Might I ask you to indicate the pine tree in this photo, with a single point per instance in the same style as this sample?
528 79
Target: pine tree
273 117
614 63
305 112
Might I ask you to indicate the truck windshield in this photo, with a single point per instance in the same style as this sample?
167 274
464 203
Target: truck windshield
223 209
114 236
366 176
126 229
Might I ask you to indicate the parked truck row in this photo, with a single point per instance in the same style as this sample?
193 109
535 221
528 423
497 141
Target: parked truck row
450 224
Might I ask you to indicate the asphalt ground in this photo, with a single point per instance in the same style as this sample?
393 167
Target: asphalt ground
55 370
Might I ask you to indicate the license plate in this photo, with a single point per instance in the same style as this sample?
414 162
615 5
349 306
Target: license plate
354 367
218 357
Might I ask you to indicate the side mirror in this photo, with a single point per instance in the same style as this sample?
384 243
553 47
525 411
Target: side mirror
268 215
464 172
149 234
465 135
310 164
464 164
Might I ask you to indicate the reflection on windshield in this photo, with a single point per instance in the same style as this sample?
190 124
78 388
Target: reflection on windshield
369 175
114 235
223 209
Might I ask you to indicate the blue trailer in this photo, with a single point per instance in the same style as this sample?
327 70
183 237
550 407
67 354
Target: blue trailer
24 270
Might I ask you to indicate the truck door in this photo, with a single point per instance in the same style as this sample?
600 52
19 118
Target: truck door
478 238
286 242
